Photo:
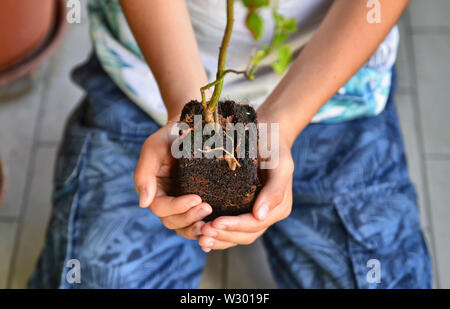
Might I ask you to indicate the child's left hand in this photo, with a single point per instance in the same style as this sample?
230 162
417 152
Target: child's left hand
273 204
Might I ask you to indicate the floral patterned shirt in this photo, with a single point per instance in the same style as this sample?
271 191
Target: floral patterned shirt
364 95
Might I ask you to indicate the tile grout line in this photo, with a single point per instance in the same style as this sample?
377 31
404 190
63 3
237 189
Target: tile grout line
426 30
31 164
412 61
30 172
437 156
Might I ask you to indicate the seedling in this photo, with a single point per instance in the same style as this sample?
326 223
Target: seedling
284 27
228 183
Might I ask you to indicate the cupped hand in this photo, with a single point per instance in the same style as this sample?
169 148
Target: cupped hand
184 214
273 204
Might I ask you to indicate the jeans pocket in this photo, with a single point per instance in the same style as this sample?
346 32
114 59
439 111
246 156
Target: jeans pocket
385 243
379 215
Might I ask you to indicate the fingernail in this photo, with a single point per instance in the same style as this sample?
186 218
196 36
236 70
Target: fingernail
194 201
204 211
262 212
206 249
209 243
220 226
143 198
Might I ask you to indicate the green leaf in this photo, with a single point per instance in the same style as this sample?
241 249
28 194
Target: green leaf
254 4
289 25
283 28
283 24
279 39
255 24
284 54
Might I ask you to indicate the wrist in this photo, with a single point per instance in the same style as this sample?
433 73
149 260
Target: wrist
289 126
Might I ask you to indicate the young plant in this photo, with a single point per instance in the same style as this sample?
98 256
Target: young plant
284 27
216 179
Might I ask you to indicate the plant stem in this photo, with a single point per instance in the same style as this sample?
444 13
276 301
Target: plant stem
222 57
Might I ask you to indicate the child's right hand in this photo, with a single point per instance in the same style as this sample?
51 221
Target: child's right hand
183 214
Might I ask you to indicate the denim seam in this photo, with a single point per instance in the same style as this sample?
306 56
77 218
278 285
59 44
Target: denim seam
71 225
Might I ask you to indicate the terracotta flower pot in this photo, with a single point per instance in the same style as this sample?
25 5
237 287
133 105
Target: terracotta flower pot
24 25
29 33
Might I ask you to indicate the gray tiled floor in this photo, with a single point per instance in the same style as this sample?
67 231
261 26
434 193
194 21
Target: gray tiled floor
34 217
31 127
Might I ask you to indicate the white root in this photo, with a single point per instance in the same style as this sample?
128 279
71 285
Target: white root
229 157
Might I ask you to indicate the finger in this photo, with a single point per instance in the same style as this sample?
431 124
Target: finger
246 223
193 215
274 190
153 155
240 238
208 244
191 232
164 206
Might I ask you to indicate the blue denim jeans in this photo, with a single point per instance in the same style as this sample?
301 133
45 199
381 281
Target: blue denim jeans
353 202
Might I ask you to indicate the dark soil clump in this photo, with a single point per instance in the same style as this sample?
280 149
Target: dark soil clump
229 191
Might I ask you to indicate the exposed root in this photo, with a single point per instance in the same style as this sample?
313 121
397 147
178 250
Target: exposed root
229 157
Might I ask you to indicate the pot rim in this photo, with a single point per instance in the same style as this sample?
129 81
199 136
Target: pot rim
42 52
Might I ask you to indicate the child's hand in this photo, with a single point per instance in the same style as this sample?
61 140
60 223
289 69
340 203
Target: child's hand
182 214
273 204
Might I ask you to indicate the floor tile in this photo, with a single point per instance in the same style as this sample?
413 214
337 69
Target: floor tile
248 267
426 13
429 239
57 103
7 233
403 63
408 122
212 277
18 116
35 217
439 184
433 86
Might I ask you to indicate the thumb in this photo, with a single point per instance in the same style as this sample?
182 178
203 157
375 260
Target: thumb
146 192
146 172
273 192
